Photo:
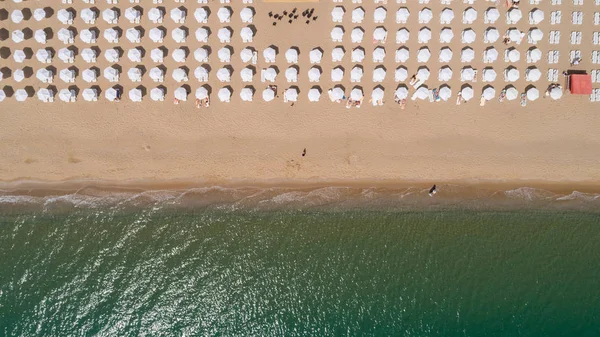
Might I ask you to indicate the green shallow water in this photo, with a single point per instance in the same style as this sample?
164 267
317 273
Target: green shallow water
166 272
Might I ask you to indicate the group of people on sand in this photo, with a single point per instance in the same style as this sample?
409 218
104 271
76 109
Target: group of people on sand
402 102
202 102
354 103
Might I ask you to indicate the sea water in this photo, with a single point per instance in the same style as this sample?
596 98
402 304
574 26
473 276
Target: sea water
232 263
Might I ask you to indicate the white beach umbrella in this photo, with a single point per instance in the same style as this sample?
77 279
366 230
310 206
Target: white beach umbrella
269 54
533 74
224 35
492 14
470 14
401 93
201 15
18 36
402 35
534 55
315 55
268 95
421 93
402 14
111 55
379 14
378 74
179 75
445 74
511 93
445 55
314 95
270 74
2 95
337 33
358 15
246 55
246 15
135 95
201 93
180 94
514 35
64 16
492 35
155 14
401 74
337 94
490 55
246 94
157 55
291 55
489 93
66 95
224 75
224 94
556 93
358 55
246 74
467 55
402 54
110 15
489 75
356 74
378 54
337 14
533 93
357 35
337 74
424 35
65 35
201 54
425 15
21 95
179 35
133 35
178 55
40 36
178 14
356 94
111 94
39 14
513 55
337 54
156 35
157 94
43 55
246 34
67 75
88 55
224 14
468 35
224 54
291 74
314 74
19 56
467 93
380 34
514 15
423 74
89 94
156 74
134 55
536 16
111 35
87 36
377 95
89 76
535 34
447 15
291 95
132 14
45 95
511 75
467 74
446 35
44 75
111 74
445 93
18 75
423 55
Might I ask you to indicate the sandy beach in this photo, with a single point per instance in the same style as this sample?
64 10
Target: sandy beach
548 141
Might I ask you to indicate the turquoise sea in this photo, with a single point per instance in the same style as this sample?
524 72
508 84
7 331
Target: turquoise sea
284 262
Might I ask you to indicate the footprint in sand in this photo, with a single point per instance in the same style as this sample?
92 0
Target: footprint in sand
146 147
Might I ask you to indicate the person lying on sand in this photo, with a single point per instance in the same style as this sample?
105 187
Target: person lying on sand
502 95
175 101
459 98
413 80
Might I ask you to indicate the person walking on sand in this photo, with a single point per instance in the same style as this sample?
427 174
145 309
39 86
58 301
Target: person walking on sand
432 190
304 152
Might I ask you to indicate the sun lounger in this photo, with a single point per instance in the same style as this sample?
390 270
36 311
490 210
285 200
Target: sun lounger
580 18
595 57
557 37
555 76
553 18
418 83
597 95
558 17
578 38
551 37
573 37
593 76
597 18
550 57
550 75
596 38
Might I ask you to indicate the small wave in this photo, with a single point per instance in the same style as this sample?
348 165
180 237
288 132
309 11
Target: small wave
576 195
529 194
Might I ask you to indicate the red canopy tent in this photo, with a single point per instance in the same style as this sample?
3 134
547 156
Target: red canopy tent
580 84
